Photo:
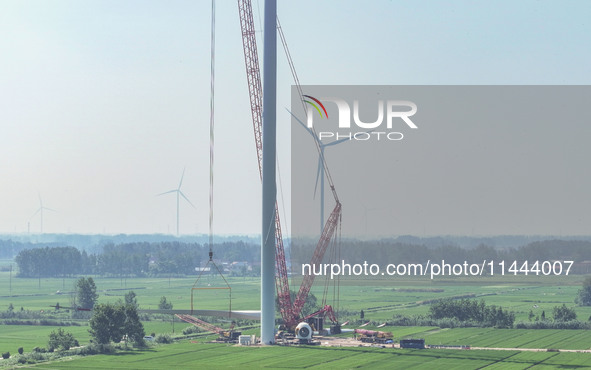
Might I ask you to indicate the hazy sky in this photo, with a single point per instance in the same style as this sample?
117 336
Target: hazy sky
483 160
103 103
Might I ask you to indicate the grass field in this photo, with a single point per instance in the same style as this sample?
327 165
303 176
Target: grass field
29 336
188 355
381 300
511 338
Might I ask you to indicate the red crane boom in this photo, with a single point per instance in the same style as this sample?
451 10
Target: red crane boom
253 75
200 323
290 313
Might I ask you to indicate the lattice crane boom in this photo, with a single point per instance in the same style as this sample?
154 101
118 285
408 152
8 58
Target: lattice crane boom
327 234
291 314
200 323
255 89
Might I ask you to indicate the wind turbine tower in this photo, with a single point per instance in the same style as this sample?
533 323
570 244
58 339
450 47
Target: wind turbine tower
320 171
40 211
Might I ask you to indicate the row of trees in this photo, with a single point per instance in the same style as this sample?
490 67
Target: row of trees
392 251
53 262
472 310
130 259
563 317
157 258
11 245
559 314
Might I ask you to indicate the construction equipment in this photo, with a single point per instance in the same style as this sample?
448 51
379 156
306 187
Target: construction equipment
290 313
374 336
324 310
228 336
316 319
303 333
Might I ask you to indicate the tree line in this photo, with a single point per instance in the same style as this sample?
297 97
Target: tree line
157 258
129 259
12 244
392 251
472 310
53 262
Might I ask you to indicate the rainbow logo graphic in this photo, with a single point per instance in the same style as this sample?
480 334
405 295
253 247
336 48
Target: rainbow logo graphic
316 106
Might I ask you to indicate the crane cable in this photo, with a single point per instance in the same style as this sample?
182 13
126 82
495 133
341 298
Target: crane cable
211 157
211 127
301 96
336 242
212 139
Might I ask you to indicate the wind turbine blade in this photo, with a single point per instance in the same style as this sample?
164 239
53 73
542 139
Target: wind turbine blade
337 141
182 176
304 126
187 199
344 139
167 192
49 209
37 211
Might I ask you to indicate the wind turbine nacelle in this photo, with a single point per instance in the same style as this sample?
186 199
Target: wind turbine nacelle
303 331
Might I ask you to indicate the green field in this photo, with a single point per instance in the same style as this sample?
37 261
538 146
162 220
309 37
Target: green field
511 338
381 300
211 356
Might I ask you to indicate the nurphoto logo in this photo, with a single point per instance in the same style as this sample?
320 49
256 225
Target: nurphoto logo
392 111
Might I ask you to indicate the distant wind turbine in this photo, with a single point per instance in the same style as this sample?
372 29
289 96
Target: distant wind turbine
320 170
40 211
179 194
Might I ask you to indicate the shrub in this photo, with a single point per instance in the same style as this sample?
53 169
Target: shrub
96 348
61 340
563 313
190 330
163 338
39 350
6 355
20 350
141 343
164 304
37 356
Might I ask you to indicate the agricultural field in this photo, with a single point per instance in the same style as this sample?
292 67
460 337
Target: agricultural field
381 300
39 294
214 356
29 336
509 338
